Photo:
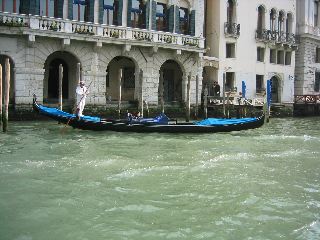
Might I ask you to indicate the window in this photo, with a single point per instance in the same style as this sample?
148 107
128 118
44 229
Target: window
317 82
273 56
230 50
161 17
260 54
110 13
230 82
49 8
259 84
11 6
288 58
81 10
138 16
128 77
184 20
280 57
317 60
316 13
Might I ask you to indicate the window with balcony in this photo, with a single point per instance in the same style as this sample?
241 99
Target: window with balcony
280 57
259 84
161 17
231 12
138 14
111 11
230 50
289 22
317 60
273 56
11 6
230 82
81 10
317 82
184 20
316 13
260 54
288 58
273 15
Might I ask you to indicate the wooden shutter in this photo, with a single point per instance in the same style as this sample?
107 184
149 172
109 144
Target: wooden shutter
129 13
170 18
192 25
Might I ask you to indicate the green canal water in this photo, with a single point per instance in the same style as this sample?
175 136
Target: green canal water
78 185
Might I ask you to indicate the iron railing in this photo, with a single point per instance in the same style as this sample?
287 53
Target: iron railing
275 36
232 29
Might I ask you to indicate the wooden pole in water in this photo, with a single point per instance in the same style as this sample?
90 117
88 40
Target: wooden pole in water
197 96
188 99
224 94
141 91
78 73
119 89
60 85
6 94
205 102
0 94
161 91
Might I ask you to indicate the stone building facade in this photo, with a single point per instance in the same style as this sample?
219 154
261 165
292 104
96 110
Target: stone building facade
252 42
151 47
307 81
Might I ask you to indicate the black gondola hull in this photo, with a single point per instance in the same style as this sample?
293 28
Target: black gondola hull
125 126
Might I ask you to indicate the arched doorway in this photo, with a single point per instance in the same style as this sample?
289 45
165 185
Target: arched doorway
172 81
51 77
275 89
128 81
12 77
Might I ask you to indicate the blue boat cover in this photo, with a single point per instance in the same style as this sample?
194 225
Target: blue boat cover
59 113
224 121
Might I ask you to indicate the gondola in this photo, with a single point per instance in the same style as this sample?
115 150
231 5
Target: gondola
160 124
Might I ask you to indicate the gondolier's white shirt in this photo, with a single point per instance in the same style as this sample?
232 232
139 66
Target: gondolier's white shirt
81 94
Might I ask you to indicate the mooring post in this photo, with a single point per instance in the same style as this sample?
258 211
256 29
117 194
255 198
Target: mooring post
60 85
161 89
0 94
205 102
141 91
197 96
224 94
6 94
119 93
188 99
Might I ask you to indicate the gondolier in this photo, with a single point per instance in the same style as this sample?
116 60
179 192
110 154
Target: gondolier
82 93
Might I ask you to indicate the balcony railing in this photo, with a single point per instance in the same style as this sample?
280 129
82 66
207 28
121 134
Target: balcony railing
275 36
307 99
232 29
99 30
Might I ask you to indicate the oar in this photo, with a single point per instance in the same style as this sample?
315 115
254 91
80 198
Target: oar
74 111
